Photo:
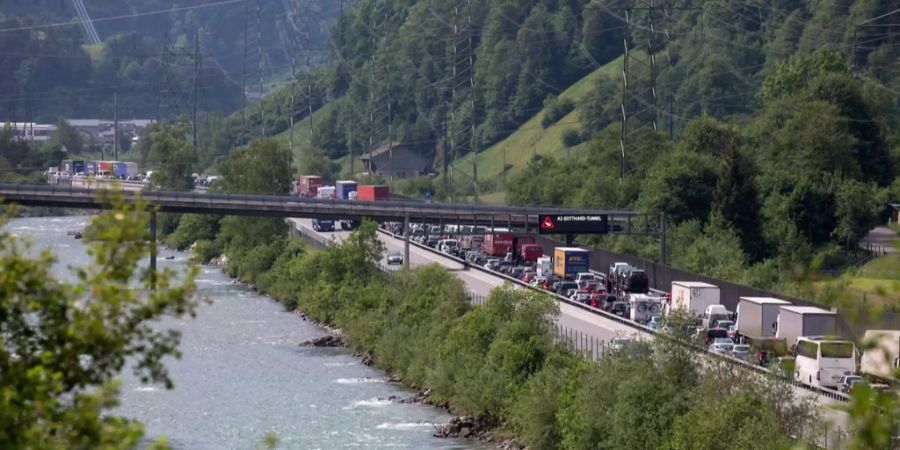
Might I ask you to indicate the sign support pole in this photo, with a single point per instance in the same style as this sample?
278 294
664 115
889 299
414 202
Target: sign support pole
406 234
662 238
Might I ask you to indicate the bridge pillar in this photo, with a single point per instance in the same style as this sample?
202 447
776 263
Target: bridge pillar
406 234
153 249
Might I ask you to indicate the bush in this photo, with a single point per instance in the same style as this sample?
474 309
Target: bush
571 137
555 109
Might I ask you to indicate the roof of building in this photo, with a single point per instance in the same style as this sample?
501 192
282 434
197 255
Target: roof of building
381 150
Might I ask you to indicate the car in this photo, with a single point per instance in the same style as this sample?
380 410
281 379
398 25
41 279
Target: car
492 263
584 276
581 297
394 258
732 331
636 281
711 334
724 324
847 382
654 322
538 282
565 286
598 299
742 352
619 309
721 345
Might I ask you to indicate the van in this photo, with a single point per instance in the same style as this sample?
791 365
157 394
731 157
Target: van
585 276
713 314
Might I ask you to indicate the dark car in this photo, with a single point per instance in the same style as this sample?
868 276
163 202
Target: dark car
619 309
564 287
713 334
636 282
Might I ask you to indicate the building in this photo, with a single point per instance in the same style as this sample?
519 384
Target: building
407 162
103 131
30 131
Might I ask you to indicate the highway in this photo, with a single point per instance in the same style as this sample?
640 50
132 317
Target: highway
481 283
571 317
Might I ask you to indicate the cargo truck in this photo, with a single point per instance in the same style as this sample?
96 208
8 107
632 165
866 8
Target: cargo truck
757 318
522 248
370 193
326 192
123 170
797 321
308 185
693 296
568 261
882 361
346 190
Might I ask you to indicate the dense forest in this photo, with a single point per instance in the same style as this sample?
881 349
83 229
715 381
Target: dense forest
147 55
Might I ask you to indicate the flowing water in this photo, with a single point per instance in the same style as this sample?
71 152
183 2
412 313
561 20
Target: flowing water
242 374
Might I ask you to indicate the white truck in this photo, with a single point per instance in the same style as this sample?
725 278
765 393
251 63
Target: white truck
642 307
693 296
796 321
757 317
545 266
883 360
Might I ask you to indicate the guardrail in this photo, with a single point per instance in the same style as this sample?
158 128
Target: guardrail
822 391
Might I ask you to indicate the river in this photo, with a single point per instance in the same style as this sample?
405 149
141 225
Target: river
242 374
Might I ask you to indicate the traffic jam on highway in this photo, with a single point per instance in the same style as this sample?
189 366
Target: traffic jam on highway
762 331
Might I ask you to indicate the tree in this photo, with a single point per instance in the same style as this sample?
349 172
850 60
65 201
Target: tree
736 201
263 168
63 344
707 136
793 75
747 420
680 183
65 135
171 157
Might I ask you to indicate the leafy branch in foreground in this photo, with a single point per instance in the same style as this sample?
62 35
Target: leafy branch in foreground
62 344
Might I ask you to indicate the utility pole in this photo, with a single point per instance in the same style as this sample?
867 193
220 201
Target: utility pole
623 135
651 53
196 90
244 77
116 125
292 109
387 69
472 148
452 128
262 109
307 44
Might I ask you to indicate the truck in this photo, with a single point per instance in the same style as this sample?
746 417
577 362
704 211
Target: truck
123 170
91 168
544 266
522 248
105 167
693 296
642 307
326 192
371 193
308 185
796 321
346 190
323 224
567 261
882 361
757 317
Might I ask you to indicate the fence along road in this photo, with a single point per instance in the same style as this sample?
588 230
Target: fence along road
579 324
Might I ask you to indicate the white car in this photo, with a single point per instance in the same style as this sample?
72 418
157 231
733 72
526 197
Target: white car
394 258
741 351
722 345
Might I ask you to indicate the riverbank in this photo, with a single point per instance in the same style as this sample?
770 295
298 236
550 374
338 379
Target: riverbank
497 366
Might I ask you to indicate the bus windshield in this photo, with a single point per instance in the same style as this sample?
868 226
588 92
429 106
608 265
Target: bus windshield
836 349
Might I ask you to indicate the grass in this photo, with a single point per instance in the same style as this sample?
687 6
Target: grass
532 139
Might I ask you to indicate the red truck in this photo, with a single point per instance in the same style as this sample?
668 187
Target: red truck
308 185
523 247
370 193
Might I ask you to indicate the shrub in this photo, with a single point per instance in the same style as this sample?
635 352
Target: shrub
571 137
555 109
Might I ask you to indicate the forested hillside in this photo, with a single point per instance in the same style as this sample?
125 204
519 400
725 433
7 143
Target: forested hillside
766 130
50 73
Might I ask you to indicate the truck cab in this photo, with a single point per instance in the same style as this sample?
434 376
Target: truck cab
323 224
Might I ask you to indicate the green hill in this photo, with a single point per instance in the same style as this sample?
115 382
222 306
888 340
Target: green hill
509 156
